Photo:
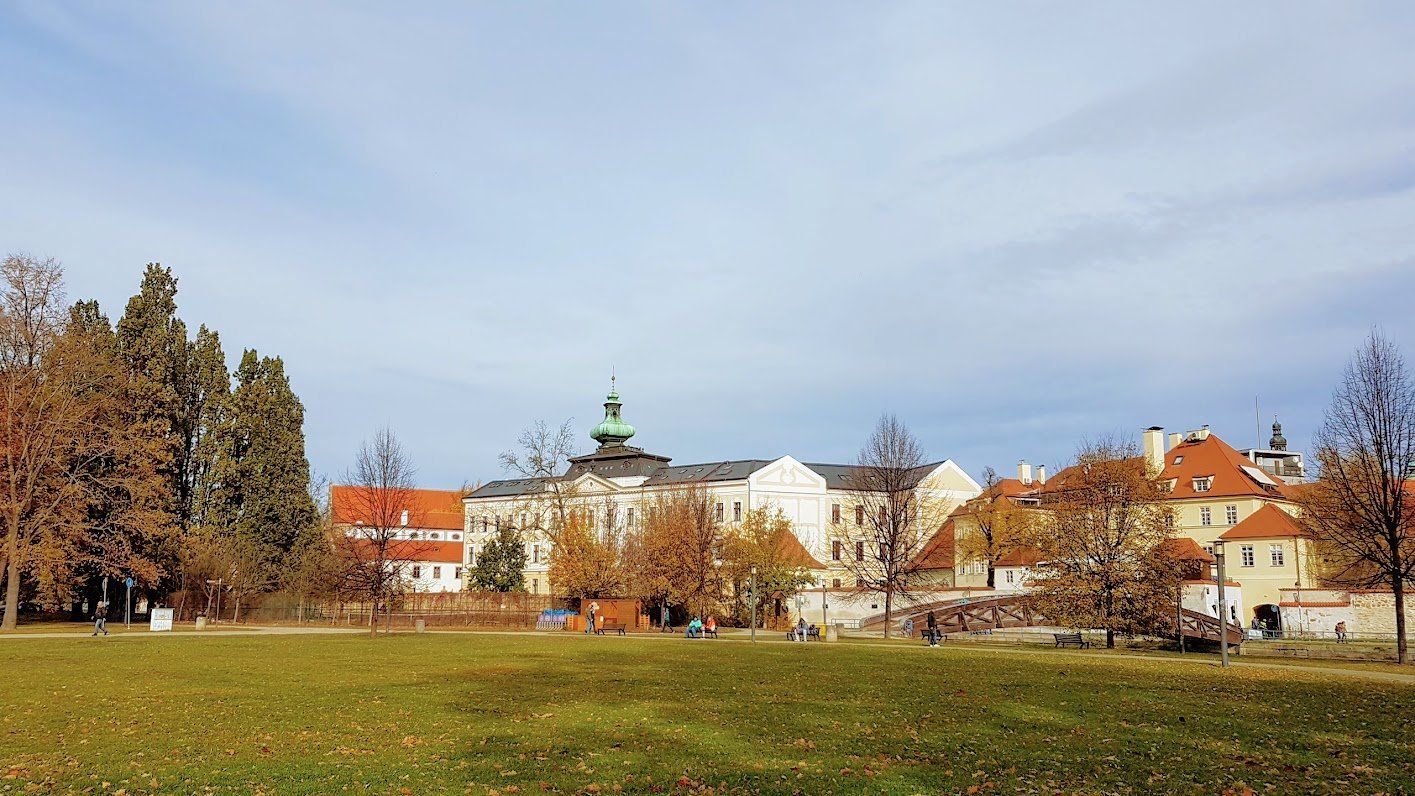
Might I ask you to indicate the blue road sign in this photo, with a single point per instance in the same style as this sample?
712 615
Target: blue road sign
129 581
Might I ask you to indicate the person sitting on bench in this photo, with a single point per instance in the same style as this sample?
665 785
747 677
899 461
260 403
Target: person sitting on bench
710 627
695 628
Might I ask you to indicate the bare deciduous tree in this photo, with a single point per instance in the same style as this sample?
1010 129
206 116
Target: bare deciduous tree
377 502
1361 511
896 513
32 310
544 455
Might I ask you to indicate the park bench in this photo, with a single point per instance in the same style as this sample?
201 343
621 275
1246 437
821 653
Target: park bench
1071 639
925 636
812 633
709 632
610 626
1296 652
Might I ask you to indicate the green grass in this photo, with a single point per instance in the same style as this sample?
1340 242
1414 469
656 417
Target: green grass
446 713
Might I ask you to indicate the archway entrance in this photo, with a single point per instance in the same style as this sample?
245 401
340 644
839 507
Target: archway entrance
1268 619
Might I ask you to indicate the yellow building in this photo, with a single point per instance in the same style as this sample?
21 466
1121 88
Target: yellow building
1219 494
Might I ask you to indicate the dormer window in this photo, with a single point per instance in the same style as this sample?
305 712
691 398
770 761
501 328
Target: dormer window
1204 483
1179 459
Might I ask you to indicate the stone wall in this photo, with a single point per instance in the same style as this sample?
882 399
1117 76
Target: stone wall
1375 613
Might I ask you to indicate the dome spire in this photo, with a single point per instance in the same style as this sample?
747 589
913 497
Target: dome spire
1278 442
612 432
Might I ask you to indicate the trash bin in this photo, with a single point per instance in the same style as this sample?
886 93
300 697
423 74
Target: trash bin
201 623
420 625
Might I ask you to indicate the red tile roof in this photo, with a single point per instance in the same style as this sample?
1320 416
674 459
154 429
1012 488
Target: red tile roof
1182 548
1268 522
794 553
939 551
418 550
435 509
1233 474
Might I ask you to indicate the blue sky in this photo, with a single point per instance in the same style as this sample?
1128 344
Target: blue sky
1013 226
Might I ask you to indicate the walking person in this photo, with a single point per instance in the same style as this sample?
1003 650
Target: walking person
590 618
100 619
933 629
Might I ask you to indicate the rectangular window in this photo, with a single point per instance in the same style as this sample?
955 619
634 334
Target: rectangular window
629 516
1231 514
437 573
535 555
859 515
471 556
883 518
1203 484
535 587
458 573
859 551
417 571
737 511
483 524
1247 552
859 583
717 513
835 551
835 514
835 583
1275 554
1009 580
883 551
523 519
1206 517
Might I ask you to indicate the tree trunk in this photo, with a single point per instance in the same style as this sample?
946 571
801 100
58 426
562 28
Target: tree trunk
888 610
992 576
1398 586
12 593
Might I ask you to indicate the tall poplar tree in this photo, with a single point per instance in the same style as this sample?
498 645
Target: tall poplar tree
152 344
262 490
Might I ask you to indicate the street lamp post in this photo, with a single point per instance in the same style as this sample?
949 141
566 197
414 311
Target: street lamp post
1222 606
753 591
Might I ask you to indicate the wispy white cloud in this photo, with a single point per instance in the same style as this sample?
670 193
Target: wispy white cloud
1015 230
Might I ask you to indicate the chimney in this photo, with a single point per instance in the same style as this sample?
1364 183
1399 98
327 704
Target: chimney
1041 473
1154 448
405 517
1174 440
1024 472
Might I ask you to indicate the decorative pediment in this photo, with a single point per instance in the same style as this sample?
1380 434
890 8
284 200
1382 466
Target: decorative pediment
592 484
787 474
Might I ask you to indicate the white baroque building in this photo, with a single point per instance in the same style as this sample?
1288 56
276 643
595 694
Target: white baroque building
617 481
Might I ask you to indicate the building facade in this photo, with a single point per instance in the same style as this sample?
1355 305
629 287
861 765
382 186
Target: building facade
425 526
618 482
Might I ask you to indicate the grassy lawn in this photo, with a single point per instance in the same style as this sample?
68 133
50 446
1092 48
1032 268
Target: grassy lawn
445 713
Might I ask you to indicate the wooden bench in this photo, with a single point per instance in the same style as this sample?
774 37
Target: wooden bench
709 632
925 637
1296 652
1070 639
812 633
610 626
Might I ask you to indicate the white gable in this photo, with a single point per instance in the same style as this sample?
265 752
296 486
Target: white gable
591 484
787 475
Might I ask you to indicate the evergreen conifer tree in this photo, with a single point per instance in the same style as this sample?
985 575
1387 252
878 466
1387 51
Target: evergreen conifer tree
499 568
262 476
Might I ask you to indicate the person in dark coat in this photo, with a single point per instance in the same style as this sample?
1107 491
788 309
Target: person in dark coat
933 629
100 619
